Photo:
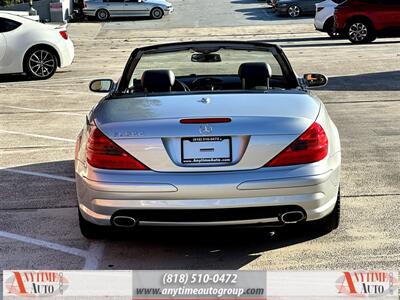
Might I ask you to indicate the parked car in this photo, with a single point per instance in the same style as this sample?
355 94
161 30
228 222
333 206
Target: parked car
224 134
324 17
296 8
362 21
30 47
105 9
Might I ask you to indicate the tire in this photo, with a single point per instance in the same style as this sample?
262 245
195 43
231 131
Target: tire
360 32
40 63
90 230
329 27
157 13
294 11
331 221
102 15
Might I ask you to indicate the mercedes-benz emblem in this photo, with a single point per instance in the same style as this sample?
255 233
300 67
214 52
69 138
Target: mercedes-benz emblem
205 129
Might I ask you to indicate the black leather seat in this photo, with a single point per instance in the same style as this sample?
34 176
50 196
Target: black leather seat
255 75
157 81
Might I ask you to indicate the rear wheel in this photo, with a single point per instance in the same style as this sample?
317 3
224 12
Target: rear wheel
360 31
90 230
294 11
156 13
102 15
40 63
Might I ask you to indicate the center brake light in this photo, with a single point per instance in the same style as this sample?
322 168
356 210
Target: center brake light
205 120
103 153
310 147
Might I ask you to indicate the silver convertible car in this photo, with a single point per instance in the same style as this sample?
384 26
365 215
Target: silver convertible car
208 134
105 9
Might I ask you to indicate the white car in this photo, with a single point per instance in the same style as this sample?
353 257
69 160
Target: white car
24 14
324 17
33 48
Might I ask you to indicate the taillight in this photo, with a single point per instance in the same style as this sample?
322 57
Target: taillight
103 153
64 34
311 146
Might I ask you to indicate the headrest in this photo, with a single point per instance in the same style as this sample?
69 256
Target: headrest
255 73
158 80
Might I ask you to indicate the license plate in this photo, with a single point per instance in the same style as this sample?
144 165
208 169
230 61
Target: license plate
201 150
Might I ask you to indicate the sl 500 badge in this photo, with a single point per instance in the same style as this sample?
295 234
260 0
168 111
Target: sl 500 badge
128 133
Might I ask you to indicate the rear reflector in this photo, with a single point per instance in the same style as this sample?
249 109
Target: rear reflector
206 120
64 34
103 153
311 146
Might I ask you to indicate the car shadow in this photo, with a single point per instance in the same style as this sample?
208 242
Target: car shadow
248 2
206 248
8 78
380 81
255 13
145 248
14 78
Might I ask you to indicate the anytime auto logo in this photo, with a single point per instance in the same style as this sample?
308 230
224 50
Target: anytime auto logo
367 284
36 283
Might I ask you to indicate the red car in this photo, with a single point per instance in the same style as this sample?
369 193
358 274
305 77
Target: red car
362 21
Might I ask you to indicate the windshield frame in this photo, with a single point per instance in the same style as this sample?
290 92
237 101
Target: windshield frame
287 71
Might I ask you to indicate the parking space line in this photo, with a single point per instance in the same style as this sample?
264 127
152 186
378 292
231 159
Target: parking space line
56 177
45 244
52 91
45 111
38 135
92 256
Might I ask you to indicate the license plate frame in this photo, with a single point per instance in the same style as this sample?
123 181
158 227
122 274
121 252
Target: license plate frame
223 143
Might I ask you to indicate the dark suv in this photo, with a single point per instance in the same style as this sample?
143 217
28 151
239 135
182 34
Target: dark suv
362 21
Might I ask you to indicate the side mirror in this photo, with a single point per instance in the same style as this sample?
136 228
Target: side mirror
315 80
101 85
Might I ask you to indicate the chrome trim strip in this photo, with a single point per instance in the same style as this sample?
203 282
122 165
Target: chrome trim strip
217 223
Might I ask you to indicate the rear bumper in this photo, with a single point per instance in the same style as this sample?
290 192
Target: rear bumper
311 188
67 53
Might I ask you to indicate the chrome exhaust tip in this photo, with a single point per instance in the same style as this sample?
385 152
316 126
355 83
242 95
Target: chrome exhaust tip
124 221
292 217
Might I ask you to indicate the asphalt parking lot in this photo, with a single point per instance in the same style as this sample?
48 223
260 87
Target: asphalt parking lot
39 121
210 13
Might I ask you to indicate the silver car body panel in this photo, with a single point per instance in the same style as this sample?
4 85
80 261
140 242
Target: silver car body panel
262 125
127 8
